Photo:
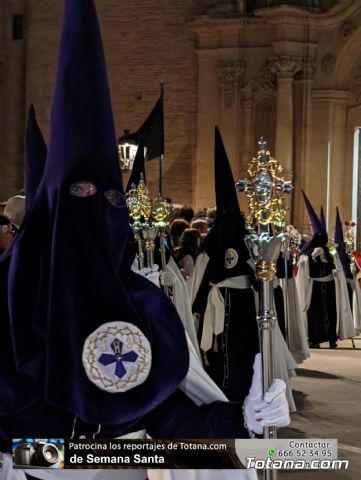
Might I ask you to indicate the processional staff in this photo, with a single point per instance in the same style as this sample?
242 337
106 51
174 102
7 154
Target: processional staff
265 188
148 219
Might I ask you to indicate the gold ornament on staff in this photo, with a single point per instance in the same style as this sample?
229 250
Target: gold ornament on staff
149 231
149 217
332 246
135 213
349 238
160 213
265 188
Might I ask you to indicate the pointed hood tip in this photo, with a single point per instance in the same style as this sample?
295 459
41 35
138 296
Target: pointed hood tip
32 110
315 223
82 133
35 157
341 246
323 219
226 196
338 231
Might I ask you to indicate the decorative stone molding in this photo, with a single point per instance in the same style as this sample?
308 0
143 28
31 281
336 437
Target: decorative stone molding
285 66
328 63
347 30
230 76
308 70
233 23
356 90
265 82
247 103
330 95
221 9
266 105
293 15
355 86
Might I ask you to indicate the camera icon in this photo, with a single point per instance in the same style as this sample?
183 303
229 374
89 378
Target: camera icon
39 454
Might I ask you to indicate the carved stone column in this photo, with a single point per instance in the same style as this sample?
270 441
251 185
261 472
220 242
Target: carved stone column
248 140
207 118
285 67
329 179
303 135
230 74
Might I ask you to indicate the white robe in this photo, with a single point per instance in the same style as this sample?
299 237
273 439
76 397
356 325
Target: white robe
345 327
296 320
356 305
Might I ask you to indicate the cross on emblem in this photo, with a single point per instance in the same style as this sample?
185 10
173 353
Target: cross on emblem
231 258
118 357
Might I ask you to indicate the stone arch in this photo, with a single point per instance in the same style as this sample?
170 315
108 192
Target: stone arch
348 56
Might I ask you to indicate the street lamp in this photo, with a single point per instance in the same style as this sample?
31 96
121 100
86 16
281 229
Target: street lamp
127 149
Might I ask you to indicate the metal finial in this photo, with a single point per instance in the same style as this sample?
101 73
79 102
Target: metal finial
262 144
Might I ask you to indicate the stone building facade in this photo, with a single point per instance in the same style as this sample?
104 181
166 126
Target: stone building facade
286 70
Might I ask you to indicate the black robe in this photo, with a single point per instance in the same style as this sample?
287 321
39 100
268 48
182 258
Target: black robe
278 293
322 312
229 362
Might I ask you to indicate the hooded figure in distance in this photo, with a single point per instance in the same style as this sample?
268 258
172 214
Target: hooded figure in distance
323 293
223 301
353 287
18 390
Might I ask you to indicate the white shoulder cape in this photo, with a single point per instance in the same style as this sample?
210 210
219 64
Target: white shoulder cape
356 307
345 327
296 320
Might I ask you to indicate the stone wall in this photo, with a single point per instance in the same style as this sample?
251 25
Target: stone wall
146 42
12 100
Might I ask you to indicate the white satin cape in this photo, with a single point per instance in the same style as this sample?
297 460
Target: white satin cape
345 327
356 305
297 320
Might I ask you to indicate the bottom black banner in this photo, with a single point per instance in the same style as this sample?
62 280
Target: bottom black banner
151 454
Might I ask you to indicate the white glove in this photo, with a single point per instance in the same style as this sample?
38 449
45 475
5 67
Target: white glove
272 410
166 279
150 274
319 252
143 272
153 275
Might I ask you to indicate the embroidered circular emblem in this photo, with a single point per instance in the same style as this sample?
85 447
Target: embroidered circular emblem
117 357
230 258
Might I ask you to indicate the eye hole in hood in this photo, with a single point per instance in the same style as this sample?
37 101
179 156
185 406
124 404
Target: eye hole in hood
83 189
115 198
